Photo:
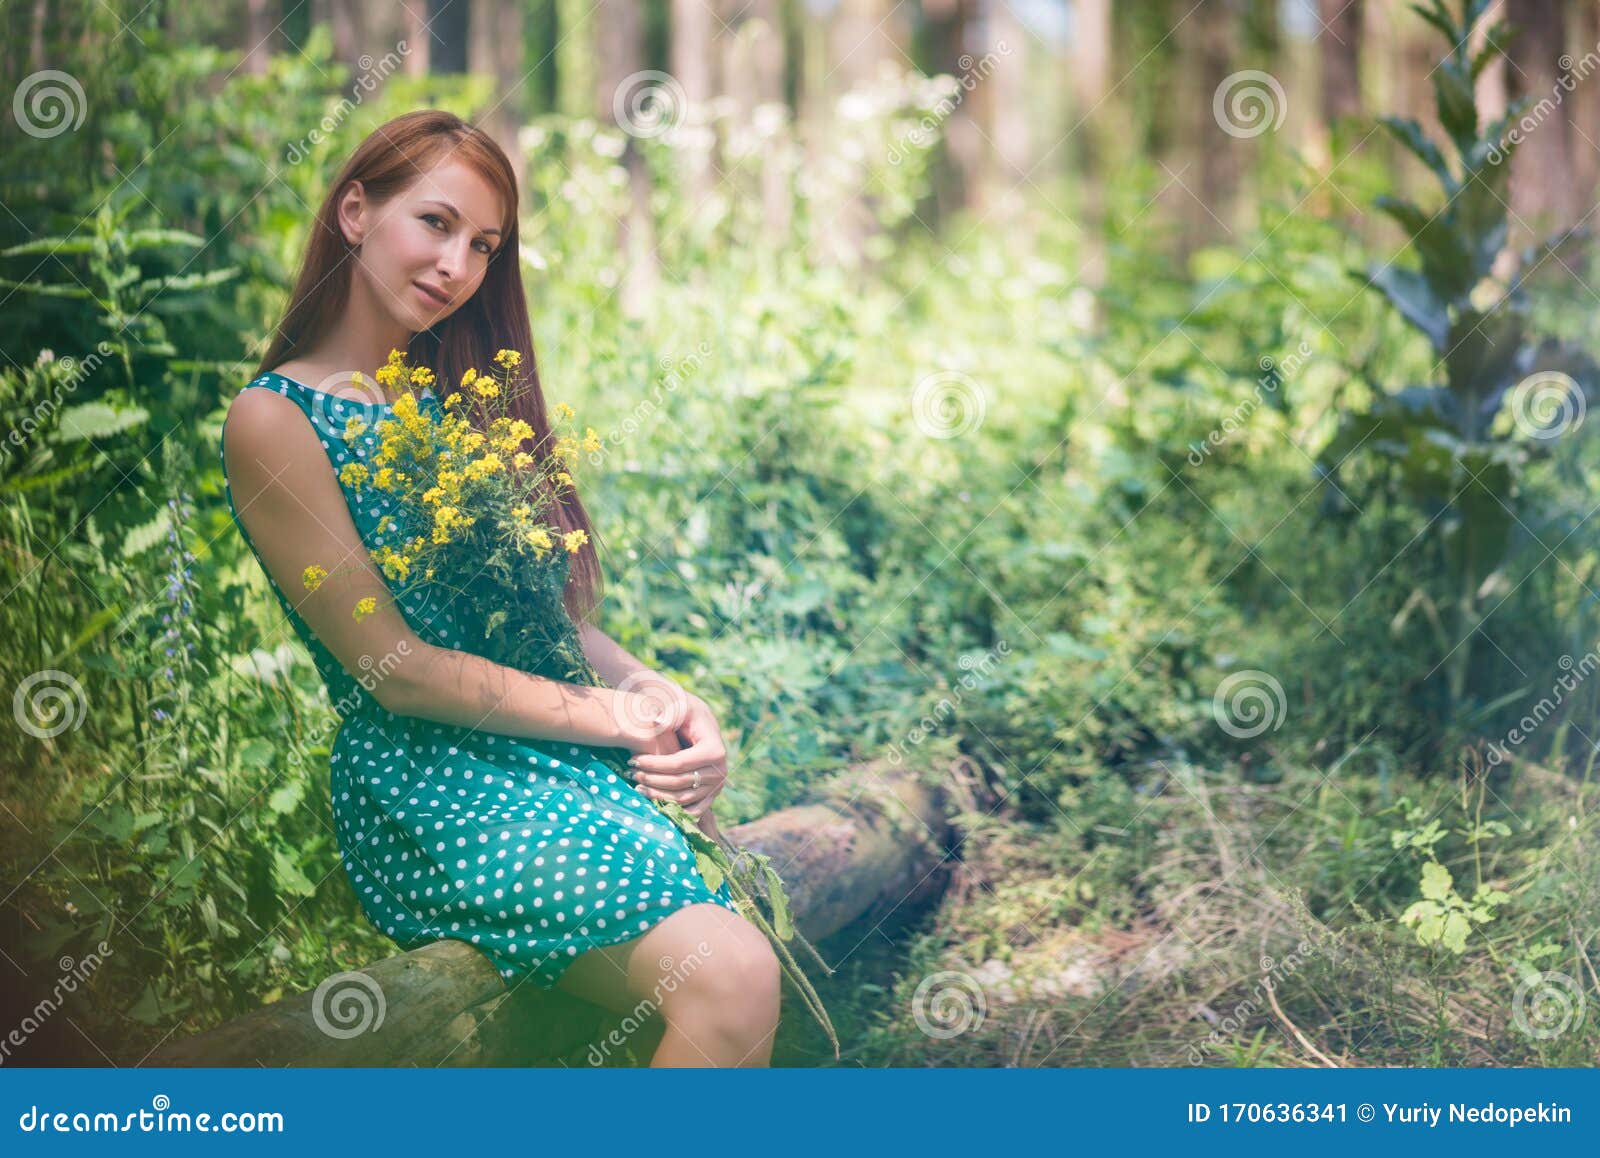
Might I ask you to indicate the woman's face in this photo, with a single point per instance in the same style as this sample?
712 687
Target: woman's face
425 251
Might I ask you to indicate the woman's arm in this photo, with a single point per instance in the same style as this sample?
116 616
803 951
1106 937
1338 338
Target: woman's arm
609 659
291 505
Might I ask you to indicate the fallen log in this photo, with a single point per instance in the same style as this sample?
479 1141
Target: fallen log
875 843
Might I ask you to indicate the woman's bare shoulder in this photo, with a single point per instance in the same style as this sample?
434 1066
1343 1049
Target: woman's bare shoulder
263 423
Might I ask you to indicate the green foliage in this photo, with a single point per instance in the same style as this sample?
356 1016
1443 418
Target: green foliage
1438 444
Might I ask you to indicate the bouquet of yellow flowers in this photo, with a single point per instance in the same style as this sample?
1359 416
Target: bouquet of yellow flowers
474 517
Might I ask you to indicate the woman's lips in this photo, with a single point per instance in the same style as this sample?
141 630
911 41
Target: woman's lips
435 299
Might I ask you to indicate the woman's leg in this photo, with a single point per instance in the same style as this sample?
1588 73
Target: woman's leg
710 973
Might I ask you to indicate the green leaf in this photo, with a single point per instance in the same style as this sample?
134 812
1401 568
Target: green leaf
1458 109
709 869
1454 933
782 920
141 538
1436 881
96 420
256 753
1411 135
287 798
288 877
1446 258
1409 292
50 245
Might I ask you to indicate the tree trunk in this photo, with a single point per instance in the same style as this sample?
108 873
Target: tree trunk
494 48
621 60
874 846
691 67
258 28
1584 113
575 66
1542 173
419 40
1091 125
1340 48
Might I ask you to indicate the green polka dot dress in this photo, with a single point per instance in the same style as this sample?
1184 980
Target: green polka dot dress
532 850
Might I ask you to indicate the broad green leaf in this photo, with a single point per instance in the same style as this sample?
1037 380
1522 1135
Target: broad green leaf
1436 881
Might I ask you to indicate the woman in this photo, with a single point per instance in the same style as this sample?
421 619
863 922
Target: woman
469 802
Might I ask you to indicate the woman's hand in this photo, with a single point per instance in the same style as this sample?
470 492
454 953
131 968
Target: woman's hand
692 775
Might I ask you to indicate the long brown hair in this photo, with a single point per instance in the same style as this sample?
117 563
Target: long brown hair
495 318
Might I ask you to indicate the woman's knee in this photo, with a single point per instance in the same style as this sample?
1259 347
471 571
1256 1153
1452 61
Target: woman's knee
731 968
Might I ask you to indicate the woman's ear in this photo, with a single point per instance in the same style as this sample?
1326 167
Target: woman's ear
352 213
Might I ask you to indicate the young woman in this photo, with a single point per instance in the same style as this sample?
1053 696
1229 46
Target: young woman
468 801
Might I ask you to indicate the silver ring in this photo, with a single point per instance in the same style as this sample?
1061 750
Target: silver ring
697 777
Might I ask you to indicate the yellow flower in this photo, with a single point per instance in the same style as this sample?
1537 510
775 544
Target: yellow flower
564 411
564 478
573 540
385 523
486 388
353 474
388 376
521 511
455 399
469 377
522 461
384 480
405 407
591 441
510 359
520 430
422 376
313 577
394 564
354 428
538 540
433 495
364 608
